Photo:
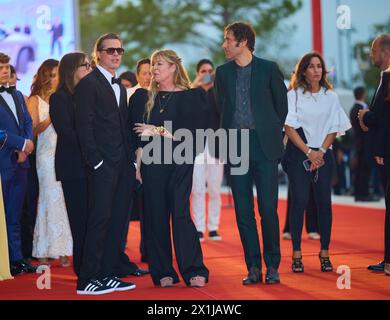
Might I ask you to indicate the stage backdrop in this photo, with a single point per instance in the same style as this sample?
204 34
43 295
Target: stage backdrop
34 30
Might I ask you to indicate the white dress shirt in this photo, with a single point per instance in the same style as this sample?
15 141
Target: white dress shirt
11 103
318 114
132 90
115 86
362 103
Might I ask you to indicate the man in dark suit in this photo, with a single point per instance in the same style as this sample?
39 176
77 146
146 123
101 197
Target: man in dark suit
251 95
105 139
17 125
362 156
369 118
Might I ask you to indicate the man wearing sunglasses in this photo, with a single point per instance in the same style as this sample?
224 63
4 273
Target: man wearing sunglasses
107 146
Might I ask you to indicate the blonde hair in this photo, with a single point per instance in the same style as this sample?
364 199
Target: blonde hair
180 77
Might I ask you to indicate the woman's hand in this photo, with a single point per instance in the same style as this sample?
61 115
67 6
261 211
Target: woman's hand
146 130
317 159
138 175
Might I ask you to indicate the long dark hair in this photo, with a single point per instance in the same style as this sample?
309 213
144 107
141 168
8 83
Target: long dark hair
68 66
298 79
42 81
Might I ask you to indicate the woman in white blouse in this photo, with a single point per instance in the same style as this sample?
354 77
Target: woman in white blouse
315 117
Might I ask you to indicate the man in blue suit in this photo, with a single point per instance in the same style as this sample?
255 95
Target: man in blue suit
16 126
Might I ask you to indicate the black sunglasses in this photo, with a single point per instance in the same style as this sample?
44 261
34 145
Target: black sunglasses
87 65
111 51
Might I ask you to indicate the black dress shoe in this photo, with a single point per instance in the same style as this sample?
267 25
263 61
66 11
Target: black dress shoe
254 276
140 272
379 267
16 270
272 276
28 268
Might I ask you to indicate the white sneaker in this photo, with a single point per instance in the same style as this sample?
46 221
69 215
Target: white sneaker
313 235
287 236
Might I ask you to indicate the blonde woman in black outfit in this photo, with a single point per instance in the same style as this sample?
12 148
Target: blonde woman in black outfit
167 186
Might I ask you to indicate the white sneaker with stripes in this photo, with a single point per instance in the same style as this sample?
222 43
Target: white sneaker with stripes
95 287
117 284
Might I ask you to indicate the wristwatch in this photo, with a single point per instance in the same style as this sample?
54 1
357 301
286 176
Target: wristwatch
323 150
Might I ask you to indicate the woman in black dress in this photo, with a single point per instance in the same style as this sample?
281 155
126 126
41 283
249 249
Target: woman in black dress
69 165
167 184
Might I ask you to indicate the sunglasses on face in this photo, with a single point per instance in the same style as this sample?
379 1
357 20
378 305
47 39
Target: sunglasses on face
111 51
87 65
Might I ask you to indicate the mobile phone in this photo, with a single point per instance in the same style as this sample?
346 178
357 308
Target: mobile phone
307 164
208 78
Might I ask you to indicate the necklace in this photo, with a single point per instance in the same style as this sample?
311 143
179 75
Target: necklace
167 96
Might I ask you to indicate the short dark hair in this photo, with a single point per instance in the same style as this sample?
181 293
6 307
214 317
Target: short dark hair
359 92
129 76
141 62
202 62
243 31
384 41
99 43
4 58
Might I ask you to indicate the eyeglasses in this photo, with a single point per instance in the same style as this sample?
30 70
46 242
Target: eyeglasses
87 65
111 51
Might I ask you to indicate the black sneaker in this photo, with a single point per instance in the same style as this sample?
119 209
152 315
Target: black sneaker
213 235
117 284
201 236
95 287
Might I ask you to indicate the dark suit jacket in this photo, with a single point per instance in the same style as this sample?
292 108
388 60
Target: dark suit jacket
360 138
102 127
68 160
268 102
381 139
16 132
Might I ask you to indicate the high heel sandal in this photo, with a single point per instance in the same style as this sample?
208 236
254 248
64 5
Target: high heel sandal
65 262
297 265
166 282
198 281
326 265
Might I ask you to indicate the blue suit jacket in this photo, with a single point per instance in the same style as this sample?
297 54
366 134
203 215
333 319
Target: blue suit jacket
16 133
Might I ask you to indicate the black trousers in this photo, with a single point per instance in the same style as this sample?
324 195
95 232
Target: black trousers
387 216
362 175
300 183
167 190
29 212
311 214
109 193
264 173
76 200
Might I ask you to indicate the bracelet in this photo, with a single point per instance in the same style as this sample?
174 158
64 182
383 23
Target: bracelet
160 130
5 140
323 150
308 152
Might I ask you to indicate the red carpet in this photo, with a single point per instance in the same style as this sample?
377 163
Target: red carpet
357 240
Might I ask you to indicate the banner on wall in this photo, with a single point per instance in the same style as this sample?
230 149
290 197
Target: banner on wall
32 31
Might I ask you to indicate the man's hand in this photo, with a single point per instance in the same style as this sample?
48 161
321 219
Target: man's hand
22 156
29 148
361 114
380 161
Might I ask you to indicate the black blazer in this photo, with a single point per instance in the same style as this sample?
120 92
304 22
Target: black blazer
269 105
381 139
69 164
102 127
360 138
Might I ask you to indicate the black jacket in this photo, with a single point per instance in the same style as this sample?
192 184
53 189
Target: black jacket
69 164
102 127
